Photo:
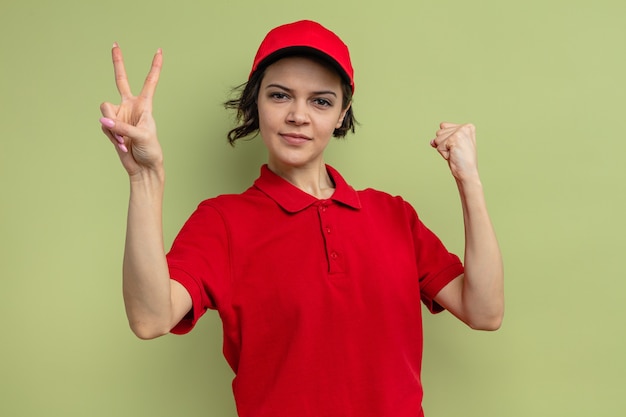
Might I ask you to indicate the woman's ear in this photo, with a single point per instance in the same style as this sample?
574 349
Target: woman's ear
342 116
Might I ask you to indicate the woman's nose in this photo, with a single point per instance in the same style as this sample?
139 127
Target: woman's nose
298 114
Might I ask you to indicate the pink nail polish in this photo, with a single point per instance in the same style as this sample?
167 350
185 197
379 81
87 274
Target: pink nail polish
119 139
107 122
122 147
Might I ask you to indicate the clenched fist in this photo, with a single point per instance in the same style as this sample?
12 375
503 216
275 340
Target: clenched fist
457 144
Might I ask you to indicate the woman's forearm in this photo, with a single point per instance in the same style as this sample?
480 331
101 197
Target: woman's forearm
146 283
483 284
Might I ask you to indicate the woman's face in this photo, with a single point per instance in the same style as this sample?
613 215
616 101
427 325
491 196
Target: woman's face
299 105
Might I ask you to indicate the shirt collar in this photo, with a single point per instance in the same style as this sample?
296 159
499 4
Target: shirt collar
293 199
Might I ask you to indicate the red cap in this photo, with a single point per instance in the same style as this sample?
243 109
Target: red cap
304 36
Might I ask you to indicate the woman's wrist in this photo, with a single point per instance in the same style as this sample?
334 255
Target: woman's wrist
154 175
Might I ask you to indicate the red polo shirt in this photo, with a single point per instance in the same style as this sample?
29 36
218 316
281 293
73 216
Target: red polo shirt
319 298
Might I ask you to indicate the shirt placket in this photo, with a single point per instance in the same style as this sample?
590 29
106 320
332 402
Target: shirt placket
326 210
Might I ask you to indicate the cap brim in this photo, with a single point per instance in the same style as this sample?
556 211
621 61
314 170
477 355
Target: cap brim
303 51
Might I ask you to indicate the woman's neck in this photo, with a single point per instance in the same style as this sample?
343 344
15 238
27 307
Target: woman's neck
313 180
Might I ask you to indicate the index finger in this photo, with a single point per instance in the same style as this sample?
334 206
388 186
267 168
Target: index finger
446 125
121 80
149 86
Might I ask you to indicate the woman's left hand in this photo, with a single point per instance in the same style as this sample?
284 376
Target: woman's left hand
457 144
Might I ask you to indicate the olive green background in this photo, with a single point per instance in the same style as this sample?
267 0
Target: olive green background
543 80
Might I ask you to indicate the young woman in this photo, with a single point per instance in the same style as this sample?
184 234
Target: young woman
318 285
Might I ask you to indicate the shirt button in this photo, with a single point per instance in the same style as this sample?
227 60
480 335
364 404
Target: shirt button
328 230
334 255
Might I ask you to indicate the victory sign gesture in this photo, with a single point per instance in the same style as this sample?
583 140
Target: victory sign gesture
130 125
154 303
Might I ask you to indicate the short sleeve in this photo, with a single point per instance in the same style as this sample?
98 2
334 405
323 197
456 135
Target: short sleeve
437 267
200 261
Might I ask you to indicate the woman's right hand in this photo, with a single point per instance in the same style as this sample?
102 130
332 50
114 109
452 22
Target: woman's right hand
130 125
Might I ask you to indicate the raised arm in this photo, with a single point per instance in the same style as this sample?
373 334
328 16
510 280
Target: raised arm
154 303
477 296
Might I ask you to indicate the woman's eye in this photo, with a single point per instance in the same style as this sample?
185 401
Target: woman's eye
323 102
278 96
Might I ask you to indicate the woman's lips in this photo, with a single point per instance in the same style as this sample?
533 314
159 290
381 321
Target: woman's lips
295 138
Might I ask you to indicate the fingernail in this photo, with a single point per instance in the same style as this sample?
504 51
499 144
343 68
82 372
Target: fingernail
432 143
119 138
115 45
122 147
107 122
